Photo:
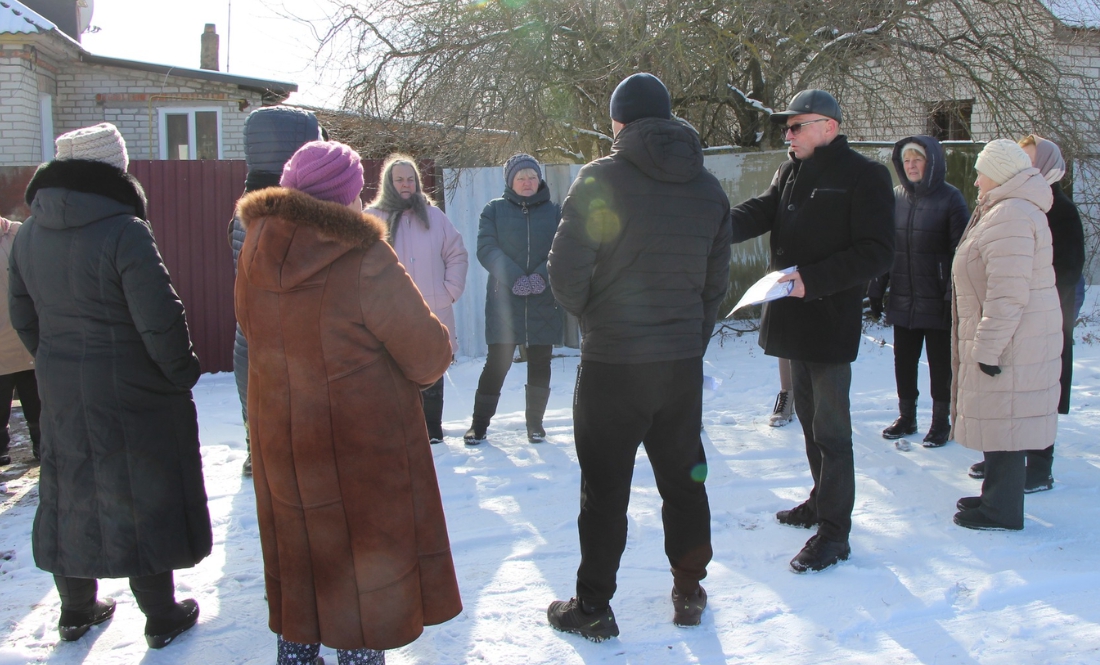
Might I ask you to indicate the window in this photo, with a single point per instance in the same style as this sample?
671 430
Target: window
950 120
191 133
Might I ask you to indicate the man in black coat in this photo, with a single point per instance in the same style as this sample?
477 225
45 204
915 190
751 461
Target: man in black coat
831 216
642 259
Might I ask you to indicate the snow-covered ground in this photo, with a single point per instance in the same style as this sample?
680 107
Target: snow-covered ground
918 589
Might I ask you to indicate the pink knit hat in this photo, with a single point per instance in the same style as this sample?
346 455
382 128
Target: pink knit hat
325 170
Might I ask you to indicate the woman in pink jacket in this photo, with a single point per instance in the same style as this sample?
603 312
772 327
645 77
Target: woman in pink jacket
431 249
1006 333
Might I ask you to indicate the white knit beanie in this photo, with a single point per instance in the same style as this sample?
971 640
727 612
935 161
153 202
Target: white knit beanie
915 147
1001 159
100 143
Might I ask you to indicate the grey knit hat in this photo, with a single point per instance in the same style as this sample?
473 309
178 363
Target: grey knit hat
99 143
517 163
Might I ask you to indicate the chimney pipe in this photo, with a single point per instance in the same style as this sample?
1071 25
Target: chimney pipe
208 57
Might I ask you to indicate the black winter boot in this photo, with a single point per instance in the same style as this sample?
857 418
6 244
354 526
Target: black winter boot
73 624
1039 465
906 422
35 430
485 407
433 412
537 398
577 616
941 425
162 629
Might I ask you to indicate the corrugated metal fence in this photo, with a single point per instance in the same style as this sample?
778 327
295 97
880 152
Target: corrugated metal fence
190 206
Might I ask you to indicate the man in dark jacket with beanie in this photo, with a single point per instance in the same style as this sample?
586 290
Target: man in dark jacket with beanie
271 136
642 259
831 216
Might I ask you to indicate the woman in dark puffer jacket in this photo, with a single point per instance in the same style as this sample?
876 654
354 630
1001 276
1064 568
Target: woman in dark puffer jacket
513 241
930 216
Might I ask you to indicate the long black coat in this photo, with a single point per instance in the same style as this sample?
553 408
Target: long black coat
929 218
643 252
121 492
513 239
1068 240
832 216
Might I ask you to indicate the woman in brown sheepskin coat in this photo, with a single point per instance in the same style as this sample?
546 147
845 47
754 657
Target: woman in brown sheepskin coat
356 554
1006 335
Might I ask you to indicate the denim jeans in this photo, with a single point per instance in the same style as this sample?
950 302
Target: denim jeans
822 404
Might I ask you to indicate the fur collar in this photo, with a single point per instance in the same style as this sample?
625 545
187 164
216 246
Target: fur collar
330 220
89 177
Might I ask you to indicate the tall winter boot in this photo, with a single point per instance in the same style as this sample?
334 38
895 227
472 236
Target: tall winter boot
941 425
433 412
536 408
485 407
35 430
906 422
1039 464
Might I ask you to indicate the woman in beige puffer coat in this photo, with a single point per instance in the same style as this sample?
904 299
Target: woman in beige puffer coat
1006 333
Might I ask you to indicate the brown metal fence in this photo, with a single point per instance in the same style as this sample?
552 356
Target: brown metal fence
190 206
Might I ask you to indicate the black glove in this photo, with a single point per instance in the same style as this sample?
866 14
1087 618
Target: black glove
992 370
876 308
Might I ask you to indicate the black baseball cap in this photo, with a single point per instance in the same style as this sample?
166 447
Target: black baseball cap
810 101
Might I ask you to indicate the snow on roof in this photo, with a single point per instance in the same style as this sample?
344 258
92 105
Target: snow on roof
1075 13
17 18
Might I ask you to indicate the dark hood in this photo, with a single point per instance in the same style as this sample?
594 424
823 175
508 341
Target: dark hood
76 192
666 150
935 171
542 195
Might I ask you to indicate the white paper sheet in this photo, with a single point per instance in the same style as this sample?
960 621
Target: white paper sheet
765 289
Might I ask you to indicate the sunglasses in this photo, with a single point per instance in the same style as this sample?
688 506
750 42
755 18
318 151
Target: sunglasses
796 128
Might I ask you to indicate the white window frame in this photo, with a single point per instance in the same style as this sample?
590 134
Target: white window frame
192 135
45 112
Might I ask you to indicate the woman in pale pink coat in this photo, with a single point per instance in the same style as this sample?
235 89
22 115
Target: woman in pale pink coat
432 251
1006 333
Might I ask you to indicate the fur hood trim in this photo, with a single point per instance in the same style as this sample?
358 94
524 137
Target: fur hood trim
89 177
331 220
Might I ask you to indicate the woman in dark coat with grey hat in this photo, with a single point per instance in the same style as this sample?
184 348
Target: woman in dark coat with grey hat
513 240
929 218
121 492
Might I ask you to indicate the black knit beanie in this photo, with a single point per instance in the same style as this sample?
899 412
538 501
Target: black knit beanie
640 96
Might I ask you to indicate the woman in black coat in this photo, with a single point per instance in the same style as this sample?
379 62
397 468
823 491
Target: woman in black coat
513 240
929 218
121 491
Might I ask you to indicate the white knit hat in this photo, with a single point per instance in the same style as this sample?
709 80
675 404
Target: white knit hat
1001 159
100 143
915 147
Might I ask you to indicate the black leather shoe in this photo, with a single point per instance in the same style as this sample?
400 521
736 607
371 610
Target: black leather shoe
820 553
969 503
903 426
801 516
973 518
570 617
687 610
161 630
977 470
5 460
73 625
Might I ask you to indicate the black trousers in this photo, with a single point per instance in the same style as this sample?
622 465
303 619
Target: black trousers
907 348
1003 488
822 404
616 408
155 594
27 386
499 361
